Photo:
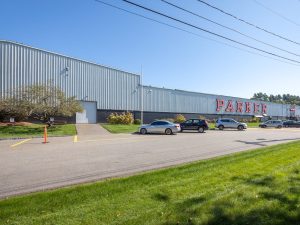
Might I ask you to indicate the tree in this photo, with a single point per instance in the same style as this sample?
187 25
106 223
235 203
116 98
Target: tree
261 97
284 99
14 107
40 102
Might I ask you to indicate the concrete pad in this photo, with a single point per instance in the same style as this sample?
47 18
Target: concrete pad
90 130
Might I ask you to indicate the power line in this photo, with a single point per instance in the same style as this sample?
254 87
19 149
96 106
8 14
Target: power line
246 22
207 31
229 28
276 13
192 33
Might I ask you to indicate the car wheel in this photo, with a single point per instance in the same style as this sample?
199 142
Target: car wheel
181 130
221 127
201 129
240 127
263 126
168 131
143 131
279 127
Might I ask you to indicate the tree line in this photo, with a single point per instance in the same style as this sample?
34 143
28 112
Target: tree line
283 99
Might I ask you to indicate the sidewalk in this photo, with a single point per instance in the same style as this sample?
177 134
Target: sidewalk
90 130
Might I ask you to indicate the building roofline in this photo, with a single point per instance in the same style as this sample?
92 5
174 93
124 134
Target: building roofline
70 57
216 95
134 74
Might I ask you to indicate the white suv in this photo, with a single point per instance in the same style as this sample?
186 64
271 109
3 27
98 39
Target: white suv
230 123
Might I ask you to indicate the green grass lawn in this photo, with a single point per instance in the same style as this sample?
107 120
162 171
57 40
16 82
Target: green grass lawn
259 187
250 125
120 128
36 130
253 125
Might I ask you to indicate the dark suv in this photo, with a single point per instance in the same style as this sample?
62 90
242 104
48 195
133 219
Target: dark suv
194 124
291 123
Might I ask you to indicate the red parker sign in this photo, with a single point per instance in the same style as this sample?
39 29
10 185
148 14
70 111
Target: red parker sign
240 107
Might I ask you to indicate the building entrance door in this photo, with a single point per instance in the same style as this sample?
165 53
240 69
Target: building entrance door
89 114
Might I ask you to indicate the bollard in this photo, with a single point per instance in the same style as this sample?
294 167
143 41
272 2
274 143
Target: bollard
45 135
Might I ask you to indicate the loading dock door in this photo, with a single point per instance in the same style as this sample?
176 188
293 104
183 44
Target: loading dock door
89 114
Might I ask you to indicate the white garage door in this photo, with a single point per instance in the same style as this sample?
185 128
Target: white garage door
89 114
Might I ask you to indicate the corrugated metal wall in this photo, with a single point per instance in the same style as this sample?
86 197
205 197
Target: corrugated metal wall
178 101
112 89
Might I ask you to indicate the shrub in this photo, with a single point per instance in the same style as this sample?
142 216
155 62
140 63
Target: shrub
137 121
111 118
202 117
179 118
211 120
123 118
254 120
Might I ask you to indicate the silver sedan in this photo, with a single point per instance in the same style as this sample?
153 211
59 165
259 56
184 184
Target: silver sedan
160 126
272 123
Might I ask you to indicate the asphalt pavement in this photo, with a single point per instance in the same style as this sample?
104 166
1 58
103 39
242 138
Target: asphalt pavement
28 165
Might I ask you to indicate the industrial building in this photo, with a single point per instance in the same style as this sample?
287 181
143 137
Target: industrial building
103 89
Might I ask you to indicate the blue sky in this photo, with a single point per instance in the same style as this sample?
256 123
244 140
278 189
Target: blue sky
170 58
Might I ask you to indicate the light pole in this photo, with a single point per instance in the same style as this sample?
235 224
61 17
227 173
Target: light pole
142 98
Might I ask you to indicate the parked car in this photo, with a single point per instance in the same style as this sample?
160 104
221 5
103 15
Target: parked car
160 126
272 123
230 123
194 124
291 123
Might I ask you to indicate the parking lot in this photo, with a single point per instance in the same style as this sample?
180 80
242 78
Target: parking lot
28 165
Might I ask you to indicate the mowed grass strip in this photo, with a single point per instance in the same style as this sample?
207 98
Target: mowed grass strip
121 128
255 187
250 125
36 130
253 125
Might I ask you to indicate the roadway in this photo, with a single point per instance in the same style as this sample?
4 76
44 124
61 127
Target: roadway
29 166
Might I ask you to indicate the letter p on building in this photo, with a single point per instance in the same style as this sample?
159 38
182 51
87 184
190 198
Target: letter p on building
220 104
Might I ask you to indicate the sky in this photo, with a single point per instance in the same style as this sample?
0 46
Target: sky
169 57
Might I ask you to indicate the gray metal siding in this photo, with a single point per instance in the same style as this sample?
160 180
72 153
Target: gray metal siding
112 89
177 101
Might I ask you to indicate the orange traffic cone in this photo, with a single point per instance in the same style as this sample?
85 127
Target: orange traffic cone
45 135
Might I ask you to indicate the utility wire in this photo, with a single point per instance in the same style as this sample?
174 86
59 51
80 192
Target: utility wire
192 33
207 31
276 13
229 28
246 22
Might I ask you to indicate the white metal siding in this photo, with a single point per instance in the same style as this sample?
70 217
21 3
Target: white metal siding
112 89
